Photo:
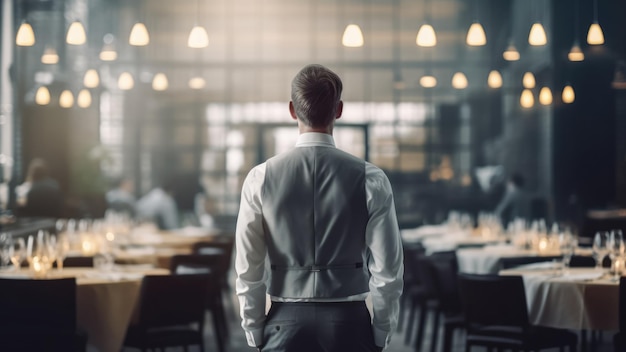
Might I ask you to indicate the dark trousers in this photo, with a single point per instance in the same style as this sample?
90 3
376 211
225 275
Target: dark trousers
318 327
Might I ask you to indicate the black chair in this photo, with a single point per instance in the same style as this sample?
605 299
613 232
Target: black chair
619 340
222 246
171 312
39 315
211 264
512 262
497 317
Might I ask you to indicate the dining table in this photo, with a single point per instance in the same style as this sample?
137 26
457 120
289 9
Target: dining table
569 298
106 300
488 259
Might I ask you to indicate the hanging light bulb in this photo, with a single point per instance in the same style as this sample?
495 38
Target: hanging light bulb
125 81
576 54
159 82
511 53
198 38
91 79
25 35
76 34
50 56
476 35
42 97
428 81
352 36
545 96
527 100
537 35
459 81
139 35
528 81
568 95
197 83
108 53
494 80
84 98
595 35
66 100
426 36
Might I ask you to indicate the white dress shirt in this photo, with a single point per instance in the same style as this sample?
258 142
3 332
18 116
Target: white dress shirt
382 237
159 204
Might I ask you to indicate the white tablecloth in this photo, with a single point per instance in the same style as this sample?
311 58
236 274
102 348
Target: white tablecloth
576 300
486 260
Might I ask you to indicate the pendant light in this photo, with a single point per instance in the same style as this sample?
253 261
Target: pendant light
511 53
459 80
575 53
545 96
91 79
198 37
568 96
494 80
197 83
159 82
66 99
108 53
50 56
476 35
352 36
84 98
139 35
426 36
76 34
25 35
528 81
537 35
125 81
428 81
527 100
42 96
595 35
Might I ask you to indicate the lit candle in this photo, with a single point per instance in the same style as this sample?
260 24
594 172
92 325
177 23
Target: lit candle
543 244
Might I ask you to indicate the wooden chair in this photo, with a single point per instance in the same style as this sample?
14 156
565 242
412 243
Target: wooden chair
39 315
169 307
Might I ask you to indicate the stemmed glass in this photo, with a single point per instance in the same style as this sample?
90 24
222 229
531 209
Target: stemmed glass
616 251
17 252
5 242
600 249
62 248
567 245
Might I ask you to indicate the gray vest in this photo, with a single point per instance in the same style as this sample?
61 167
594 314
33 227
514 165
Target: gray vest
315 215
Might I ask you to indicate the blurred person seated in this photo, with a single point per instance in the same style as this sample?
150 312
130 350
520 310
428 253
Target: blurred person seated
159 206
514 203
121 198
39 195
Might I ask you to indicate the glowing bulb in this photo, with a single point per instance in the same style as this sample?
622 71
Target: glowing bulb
198 38
426 36
511 53
494 80
352 36
49 56
568 95
545 96
125 81
528 81
459 81
76 34
527 100
91 79
197 83
139 35
25 35
108 53
66 100
159 82
84 98
428 81
42 97
576 54
595 35
476 35
537 35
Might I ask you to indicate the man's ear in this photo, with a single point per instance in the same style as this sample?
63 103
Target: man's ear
292 111
339 110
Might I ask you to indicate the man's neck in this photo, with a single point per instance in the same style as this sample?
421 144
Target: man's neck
307 129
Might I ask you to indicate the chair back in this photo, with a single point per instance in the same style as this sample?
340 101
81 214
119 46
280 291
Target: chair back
622 305
170 300
444 271
197 263
222 245
512 262
493 300
37 304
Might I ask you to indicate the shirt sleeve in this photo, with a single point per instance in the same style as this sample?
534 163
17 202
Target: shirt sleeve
250 258
386 260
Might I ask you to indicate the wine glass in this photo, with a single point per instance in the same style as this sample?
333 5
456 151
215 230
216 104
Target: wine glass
616 249
62 249
600 249
567 245
5 242
17 252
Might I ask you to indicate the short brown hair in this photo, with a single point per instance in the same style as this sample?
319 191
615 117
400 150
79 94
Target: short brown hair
316 94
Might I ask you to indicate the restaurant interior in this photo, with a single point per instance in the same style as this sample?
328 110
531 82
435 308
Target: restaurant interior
501 125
